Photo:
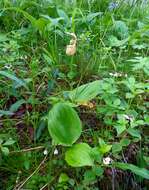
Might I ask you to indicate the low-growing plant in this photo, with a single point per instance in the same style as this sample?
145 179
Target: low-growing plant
74 94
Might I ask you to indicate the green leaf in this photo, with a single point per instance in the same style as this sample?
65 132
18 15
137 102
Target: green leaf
79 155
129 95
120 128
1 141
89 176
25 14
9 142
14 107
3 112
14 78
92 16
134 132
63 15
98 170
63 178
114 42
3 37
96 154
101 141
138 171
85 92
125 142
105 148
5 150
120 29
40 24
39 130
116 147
64 124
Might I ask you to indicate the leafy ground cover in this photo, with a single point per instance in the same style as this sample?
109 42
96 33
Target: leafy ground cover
74 95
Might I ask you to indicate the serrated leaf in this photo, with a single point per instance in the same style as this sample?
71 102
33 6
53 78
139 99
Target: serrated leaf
79 155
64 124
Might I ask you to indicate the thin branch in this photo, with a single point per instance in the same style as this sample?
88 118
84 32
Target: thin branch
27 150
19 186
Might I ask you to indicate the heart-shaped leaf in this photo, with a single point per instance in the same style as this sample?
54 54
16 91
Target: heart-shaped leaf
64 124
79 155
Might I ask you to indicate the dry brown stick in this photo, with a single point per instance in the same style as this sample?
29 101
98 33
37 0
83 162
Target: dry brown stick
27 150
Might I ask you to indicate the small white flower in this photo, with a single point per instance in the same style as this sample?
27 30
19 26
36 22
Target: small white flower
129 118
56 152
45 152
107 160
7 66
111 74
115 74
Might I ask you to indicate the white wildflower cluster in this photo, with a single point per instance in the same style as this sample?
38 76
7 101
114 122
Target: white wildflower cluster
117 74
23 57
45 152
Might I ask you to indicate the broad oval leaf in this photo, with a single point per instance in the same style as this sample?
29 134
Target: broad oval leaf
64 124
85 92
79 155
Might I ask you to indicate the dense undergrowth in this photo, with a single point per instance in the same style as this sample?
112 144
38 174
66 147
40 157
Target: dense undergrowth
75 119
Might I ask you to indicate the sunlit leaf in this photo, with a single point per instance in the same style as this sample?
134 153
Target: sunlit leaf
79 155
9 142
85 92
64 124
